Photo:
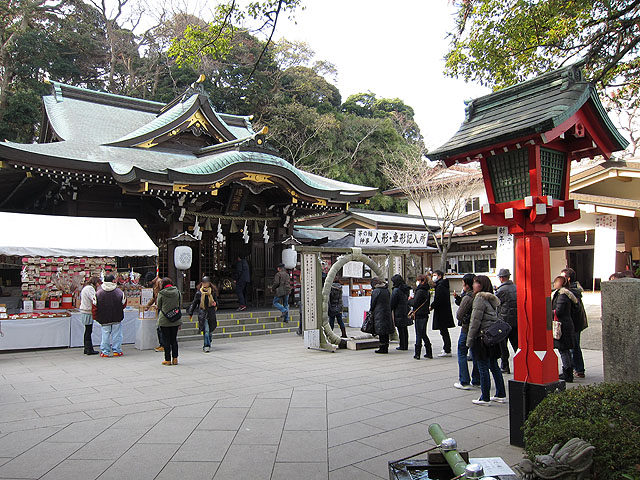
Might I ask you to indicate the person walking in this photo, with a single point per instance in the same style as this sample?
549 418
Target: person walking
87 297
381 311
153 281
400 309
242 278
336 306
463 315
420 305
205 302
442 315
109 305
169 299
580 321
483 314
282 288
507 293
563 301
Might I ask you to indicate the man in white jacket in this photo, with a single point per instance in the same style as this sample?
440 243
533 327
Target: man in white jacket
87 299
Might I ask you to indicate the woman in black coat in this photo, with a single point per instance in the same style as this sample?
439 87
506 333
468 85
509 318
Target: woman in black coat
400 309
205 302
442 315
420 304
381 311
563 303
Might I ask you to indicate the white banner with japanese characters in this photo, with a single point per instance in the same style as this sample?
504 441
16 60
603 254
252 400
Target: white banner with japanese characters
391 238
604 249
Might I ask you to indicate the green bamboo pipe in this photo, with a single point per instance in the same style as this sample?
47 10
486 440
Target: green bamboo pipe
455 461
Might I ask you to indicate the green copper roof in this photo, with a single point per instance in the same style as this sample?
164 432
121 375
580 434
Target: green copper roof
532 107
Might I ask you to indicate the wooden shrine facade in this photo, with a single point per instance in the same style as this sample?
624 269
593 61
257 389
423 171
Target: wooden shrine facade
177 167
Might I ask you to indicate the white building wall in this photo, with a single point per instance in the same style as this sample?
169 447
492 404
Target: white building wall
428 211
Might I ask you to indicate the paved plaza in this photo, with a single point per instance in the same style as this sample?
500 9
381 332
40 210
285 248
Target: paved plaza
254 408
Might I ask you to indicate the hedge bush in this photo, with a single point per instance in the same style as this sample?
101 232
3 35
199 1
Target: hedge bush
606 415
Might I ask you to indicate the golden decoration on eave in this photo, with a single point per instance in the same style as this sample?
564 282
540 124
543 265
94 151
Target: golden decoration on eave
181 188
257 178
320 202
148 143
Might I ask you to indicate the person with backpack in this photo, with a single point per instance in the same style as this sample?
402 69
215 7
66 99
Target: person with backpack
420 313
400 309
563 301
205 302
463 315
336 306
169 319
484 313
580 321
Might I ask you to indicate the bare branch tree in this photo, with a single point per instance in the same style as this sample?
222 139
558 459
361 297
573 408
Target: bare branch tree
442 191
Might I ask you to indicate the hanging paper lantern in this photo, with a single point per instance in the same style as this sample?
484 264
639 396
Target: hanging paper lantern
289 257
182 257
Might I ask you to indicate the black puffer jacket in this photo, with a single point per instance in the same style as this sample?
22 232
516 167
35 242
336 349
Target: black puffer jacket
381 310
441 306
507 293
578 312
335 299
400 302
563 302
420 302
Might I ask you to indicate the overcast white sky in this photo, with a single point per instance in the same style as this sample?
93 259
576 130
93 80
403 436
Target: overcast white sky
393 48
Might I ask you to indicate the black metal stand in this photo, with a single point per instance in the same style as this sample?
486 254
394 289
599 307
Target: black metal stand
523 398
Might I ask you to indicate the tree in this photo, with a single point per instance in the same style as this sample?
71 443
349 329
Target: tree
445 192
501 42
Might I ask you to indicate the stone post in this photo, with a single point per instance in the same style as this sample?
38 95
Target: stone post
621 330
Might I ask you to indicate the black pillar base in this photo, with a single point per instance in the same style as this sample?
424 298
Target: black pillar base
523 398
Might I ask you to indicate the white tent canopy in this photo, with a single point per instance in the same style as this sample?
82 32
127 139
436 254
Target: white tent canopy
51 235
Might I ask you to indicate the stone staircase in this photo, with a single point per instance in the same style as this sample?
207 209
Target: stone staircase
242 324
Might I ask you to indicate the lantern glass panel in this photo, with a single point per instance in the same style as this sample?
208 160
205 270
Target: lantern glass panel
553 166
509 174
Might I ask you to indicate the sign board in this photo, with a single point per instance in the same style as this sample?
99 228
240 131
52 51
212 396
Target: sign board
353 270
312 338
604 250
493 466
391 238
146 294
505 250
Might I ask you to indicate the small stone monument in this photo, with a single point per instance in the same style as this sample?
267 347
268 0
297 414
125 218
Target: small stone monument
621 330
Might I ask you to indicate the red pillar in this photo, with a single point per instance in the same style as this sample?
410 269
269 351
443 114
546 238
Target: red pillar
535 361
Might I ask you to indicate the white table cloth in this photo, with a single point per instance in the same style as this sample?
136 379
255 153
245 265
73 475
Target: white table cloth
129 327
25 333
357 307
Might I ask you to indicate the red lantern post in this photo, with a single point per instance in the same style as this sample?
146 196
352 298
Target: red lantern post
524 138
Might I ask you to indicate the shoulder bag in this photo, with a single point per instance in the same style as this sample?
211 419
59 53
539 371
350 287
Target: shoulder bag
174 314
496 333
368 326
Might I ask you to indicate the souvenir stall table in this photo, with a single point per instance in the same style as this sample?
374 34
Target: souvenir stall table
59 254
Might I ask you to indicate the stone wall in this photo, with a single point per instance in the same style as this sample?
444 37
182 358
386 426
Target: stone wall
621 330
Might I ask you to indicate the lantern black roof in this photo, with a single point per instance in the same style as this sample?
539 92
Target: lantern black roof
524 110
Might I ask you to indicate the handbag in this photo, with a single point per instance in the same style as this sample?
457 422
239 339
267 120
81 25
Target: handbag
496 333
557 327
174 314
368 326
412 313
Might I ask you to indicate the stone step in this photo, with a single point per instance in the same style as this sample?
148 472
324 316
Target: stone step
192 329
290 329
226 322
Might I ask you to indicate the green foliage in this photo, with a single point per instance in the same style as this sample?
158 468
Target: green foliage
499 43
605 415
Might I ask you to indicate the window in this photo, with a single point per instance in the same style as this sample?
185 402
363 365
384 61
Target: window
472 205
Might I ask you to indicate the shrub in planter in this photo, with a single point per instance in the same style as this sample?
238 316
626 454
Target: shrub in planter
607 415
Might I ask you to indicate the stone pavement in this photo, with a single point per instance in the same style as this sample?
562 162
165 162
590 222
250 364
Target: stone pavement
254 408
